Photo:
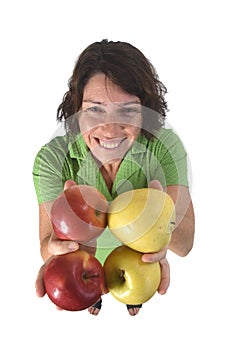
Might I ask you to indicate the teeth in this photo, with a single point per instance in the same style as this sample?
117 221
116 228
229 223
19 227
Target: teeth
109 144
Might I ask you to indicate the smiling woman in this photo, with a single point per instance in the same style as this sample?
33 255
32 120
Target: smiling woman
110 121
115 141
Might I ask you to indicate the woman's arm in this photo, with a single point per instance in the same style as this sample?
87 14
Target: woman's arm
183 235
49 243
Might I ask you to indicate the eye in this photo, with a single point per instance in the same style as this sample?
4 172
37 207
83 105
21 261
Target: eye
94 109
129 112
95 112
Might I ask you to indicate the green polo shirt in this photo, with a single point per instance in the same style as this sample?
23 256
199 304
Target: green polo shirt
163 158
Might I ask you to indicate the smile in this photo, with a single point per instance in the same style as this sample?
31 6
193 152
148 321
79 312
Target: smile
110 144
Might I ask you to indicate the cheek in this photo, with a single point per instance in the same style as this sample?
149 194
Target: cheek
133 132
86 136
86 130
84 127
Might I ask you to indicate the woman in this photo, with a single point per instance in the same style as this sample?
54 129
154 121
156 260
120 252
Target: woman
114 113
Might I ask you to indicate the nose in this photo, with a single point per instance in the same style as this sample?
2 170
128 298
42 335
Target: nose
110 129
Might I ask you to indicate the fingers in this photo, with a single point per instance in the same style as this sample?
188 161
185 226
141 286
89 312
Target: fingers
165 268
58 247
39 284
40 287
154 257
165 277
156 184
69 183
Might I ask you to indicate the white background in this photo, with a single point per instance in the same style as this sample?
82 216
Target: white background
190 44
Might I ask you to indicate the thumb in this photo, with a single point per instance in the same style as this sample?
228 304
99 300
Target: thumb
165 277
57 246
156 184
69 183
40 287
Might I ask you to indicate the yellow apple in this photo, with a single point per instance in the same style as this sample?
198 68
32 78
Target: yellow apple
143 219
128 278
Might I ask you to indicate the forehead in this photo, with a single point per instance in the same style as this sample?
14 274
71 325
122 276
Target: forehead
101 89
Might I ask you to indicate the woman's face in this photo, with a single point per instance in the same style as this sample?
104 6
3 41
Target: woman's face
110 119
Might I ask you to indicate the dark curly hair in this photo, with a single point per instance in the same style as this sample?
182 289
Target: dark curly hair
125 66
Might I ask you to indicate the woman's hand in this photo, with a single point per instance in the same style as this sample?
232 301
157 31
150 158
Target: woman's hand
165 268
40 287
156 184
56 247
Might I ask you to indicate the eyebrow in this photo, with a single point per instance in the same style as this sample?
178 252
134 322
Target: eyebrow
122 103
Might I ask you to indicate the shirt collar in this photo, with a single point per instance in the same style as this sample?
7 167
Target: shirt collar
78 148
140 145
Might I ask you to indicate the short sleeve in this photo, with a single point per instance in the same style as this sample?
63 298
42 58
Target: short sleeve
49 171
172 158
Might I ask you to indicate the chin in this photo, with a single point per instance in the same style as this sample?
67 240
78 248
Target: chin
110 157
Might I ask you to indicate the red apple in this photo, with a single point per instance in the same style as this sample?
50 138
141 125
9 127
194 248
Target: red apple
79 213
74 281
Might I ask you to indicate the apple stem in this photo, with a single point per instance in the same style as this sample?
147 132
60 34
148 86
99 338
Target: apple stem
86 276
122 275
